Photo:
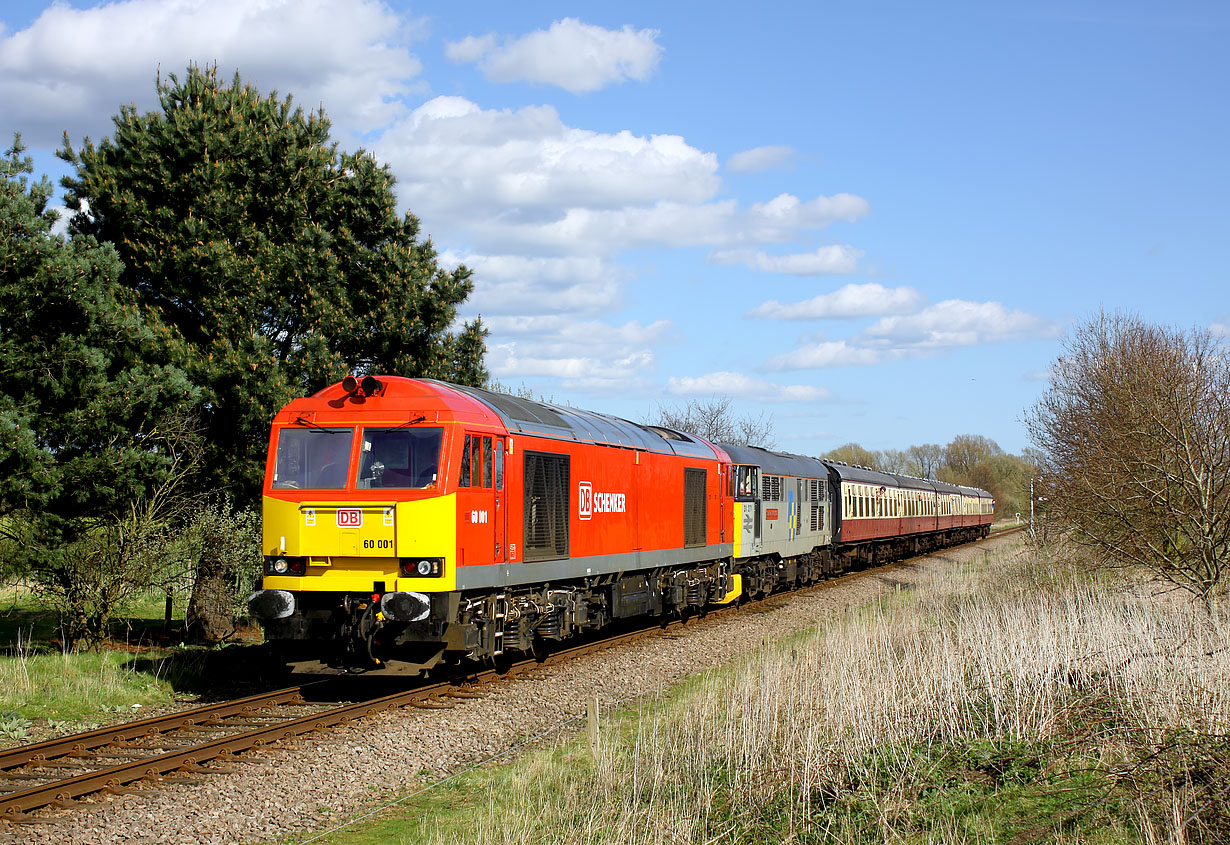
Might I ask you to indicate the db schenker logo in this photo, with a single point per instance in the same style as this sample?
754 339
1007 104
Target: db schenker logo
590 503
349 518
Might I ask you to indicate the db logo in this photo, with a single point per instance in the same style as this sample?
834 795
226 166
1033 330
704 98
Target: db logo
349 517
585 500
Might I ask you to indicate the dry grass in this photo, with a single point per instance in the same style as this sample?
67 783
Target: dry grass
1003 701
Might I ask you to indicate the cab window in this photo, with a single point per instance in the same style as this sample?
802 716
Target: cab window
400 458
312 458
747 481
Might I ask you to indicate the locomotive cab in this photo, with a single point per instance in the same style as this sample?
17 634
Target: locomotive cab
365 482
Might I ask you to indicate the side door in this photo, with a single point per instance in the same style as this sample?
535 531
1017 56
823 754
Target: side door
481 504
500 503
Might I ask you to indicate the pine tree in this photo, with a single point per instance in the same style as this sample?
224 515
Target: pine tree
279 259
90 403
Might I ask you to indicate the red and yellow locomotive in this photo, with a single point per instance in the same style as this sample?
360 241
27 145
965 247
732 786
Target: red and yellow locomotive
409 523
426 522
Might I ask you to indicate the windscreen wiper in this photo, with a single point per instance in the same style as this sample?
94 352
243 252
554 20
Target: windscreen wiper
414 421
317 426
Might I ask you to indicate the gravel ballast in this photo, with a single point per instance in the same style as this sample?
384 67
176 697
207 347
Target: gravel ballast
325 779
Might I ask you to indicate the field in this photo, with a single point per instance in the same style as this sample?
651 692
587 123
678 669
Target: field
1014 700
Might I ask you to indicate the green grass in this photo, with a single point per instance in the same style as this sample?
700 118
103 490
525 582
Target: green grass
137 668
77 687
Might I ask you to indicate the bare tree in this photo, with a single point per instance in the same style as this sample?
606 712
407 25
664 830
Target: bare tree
895 461
1135 435
966 451
714 420
855 455
925 460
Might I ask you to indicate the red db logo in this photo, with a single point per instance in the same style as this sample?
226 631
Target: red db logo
585 500
349 517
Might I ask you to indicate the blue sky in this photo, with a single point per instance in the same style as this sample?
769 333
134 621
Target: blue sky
872 221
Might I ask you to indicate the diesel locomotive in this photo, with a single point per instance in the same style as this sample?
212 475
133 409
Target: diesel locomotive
411 523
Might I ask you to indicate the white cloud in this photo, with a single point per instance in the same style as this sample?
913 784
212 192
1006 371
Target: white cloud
588 356
517 284
469 49
506 360
73 68
563 335
1220 329
522 182
788 211
837 258
743 386
760 159
664 223
944 325
831 353
957 322
450 156
855 300
572 55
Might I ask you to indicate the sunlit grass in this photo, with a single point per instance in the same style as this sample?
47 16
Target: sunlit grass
39 682
75 686
997 700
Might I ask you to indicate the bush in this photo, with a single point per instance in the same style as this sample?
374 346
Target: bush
226 553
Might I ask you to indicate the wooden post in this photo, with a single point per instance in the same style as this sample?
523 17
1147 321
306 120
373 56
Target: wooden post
593 726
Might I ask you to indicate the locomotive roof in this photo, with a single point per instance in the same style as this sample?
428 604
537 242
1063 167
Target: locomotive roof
525 416
776 463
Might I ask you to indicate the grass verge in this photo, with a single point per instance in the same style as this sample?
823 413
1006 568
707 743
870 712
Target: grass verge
1009 701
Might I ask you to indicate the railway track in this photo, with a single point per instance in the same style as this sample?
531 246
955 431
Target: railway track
57 772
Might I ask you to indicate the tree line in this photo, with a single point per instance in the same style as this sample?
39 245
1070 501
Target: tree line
224 257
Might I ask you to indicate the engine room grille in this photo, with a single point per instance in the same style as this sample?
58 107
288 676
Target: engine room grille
694 507
816 510
814 484
547 486
771 488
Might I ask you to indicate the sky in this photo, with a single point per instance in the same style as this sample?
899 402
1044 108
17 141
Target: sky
872 222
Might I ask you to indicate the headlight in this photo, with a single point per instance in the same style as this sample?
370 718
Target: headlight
422 567
285 565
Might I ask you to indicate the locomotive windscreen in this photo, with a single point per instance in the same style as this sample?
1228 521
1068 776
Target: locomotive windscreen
312 458
399 457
